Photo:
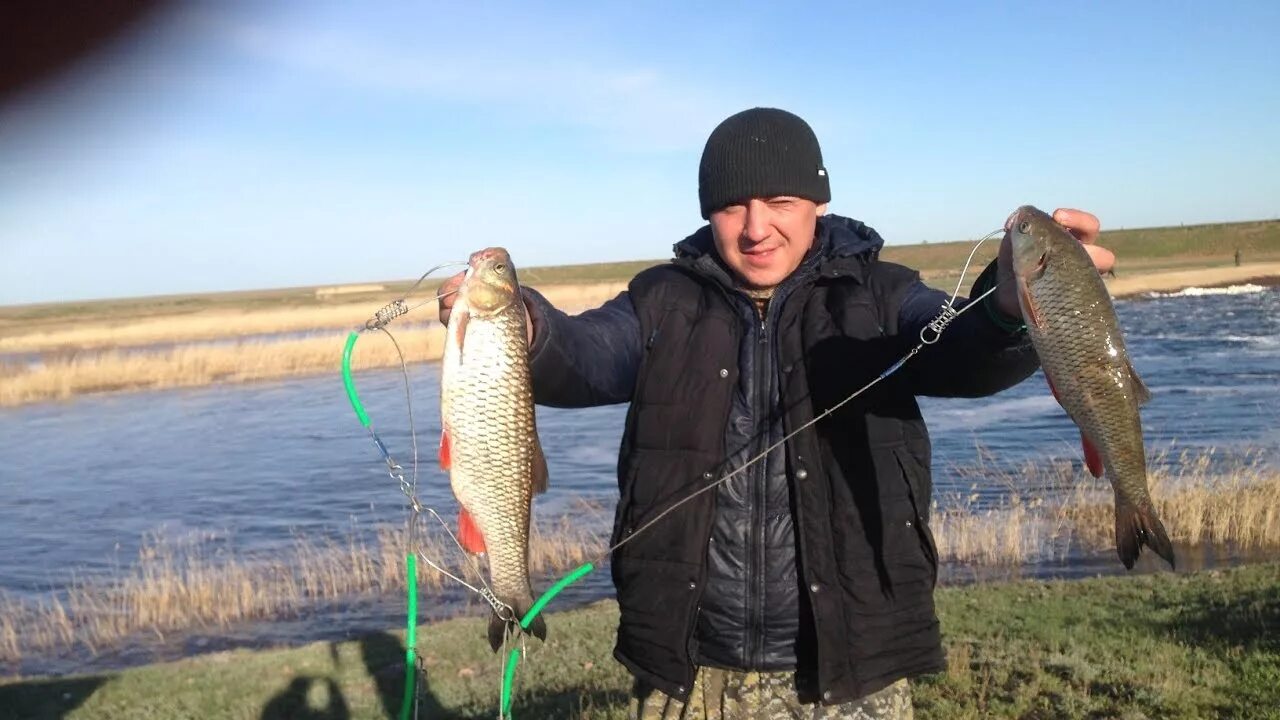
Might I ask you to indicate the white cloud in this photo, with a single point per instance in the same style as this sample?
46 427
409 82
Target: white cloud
634 107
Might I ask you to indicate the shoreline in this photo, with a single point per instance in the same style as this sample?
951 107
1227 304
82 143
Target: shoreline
1125 286
199 352
185 587
1187 646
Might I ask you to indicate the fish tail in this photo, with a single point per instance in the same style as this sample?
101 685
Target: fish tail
1137 526
499 627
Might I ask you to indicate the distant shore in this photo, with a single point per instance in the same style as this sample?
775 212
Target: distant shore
1175 280
62 360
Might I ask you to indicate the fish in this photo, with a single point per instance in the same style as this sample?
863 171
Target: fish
489 441
1072 323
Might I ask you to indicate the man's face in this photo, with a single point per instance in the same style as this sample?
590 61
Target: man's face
764 240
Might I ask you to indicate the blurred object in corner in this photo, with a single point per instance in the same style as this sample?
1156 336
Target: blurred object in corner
40 39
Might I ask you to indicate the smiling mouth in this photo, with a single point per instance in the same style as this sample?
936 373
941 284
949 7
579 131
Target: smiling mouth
758 257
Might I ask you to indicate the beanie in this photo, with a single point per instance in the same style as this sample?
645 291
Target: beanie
761 152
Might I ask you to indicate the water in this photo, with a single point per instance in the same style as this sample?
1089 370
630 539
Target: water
249 466
1212 362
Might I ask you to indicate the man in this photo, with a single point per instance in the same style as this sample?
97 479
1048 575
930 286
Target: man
803 585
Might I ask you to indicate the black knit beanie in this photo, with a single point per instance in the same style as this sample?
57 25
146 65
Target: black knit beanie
761 152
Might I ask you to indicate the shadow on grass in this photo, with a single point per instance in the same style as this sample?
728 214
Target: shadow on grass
569 705
383 656
1243 629
1246 618
293 704
52 699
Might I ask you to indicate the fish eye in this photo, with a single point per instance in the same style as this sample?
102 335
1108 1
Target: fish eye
1024 227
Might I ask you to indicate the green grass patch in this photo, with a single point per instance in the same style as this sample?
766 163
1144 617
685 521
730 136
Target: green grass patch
1203 645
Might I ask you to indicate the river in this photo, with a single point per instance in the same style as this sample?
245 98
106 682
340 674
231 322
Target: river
249 467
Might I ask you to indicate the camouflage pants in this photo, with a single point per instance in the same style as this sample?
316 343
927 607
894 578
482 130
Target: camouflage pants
726 695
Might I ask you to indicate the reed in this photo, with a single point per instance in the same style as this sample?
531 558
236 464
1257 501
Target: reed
1200 502
178 327
177 585
174 586
63 377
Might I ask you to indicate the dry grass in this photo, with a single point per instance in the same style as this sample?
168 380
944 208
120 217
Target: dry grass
1236 508
65 372
210 325
61 377
181 585
206 325
175 586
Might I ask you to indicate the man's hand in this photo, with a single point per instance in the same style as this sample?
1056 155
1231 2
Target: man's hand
1084 226
448 295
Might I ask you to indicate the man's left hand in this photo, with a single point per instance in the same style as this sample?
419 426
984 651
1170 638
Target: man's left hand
1084 226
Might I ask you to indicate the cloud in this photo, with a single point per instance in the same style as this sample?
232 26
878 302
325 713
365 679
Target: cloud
634 107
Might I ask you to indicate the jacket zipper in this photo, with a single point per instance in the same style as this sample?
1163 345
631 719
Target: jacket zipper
759 478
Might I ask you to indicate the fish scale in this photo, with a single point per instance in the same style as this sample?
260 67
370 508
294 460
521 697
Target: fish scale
488 414
1072 323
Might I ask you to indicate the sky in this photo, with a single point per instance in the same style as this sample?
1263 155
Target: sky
259 145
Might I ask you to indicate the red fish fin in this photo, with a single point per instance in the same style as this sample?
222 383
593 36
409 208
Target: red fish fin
446 451
539 468
469 533
1139 387
1091 457
1053 389
1029 304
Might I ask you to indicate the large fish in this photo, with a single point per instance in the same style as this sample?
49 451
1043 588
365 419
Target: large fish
489 443
1073 325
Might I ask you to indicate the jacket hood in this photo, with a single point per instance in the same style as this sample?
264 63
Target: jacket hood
845 247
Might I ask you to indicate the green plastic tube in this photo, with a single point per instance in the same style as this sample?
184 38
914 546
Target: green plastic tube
553 591
509 672
350 383
411 636
507 676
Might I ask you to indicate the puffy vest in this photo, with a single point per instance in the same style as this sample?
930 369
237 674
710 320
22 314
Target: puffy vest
859 480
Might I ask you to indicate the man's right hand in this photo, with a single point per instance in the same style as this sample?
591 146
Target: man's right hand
448 295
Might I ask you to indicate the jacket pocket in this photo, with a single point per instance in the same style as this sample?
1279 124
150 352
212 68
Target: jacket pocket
656 603
919 491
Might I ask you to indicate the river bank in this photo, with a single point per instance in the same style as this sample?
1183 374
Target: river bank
230 346
1216 515
1180 647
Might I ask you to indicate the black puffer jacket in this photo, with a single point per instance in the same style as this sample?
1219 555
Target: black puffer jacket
860 483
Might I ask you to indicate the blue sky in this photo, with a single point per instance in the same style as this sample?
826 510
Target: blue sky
257 145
